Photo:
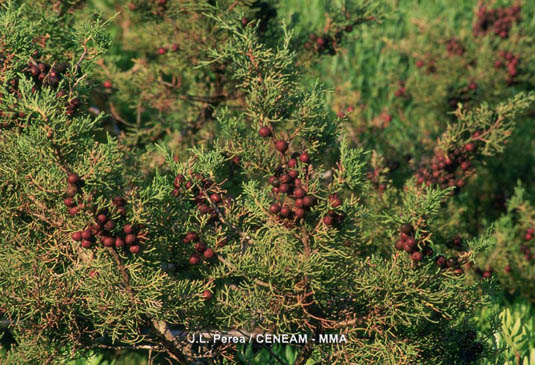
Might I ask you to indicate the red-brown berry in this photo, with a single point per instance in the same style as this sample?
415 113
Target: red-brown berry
299 192
292 163
200 247
72 190
194 259
285 178
284 188
102 218
281 146
441 261
304 157
273 181
215 198
73 178
206 295
417 256
130 239
293 174
108 241
309 201
128 228
76 236
86 235
274 208
285 211
208 253
119 201
328 220
119 242
335 201
192 237
109 225
264 132
179 179
465 165
469 147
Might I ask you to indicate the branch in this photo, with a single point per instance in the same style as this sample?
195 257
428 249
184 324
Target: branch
171 345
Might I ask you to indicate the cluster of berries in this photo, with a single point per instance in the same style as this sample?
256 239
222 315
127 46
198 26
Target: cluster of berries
451 263
103 227
455 47
326 44
45 74
450 170
342 113
426 61
321 44
485 274
334 217
200 190
419 249
74 183
526 249
287 181
463 95
498 21
200 248
163 50
407 242
73 190
510 62
456 243
378 179
401 91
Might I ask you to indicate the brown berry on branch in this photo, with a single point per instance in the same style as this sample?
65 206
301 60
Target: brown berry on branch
281 146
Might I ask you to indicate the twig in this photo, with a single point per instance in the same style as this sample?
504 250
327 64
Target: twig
116 116
171 345
245 237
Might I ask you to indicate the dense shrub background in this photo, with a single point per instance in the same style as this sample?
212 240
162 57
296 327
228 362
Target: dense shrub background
395 83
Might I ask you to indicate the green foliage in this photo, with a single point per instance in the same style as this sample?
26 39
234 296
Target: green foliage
173 95
277 354
514 340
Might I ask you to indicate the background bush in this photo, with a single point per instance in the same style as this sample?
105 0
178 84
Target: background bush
163 93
